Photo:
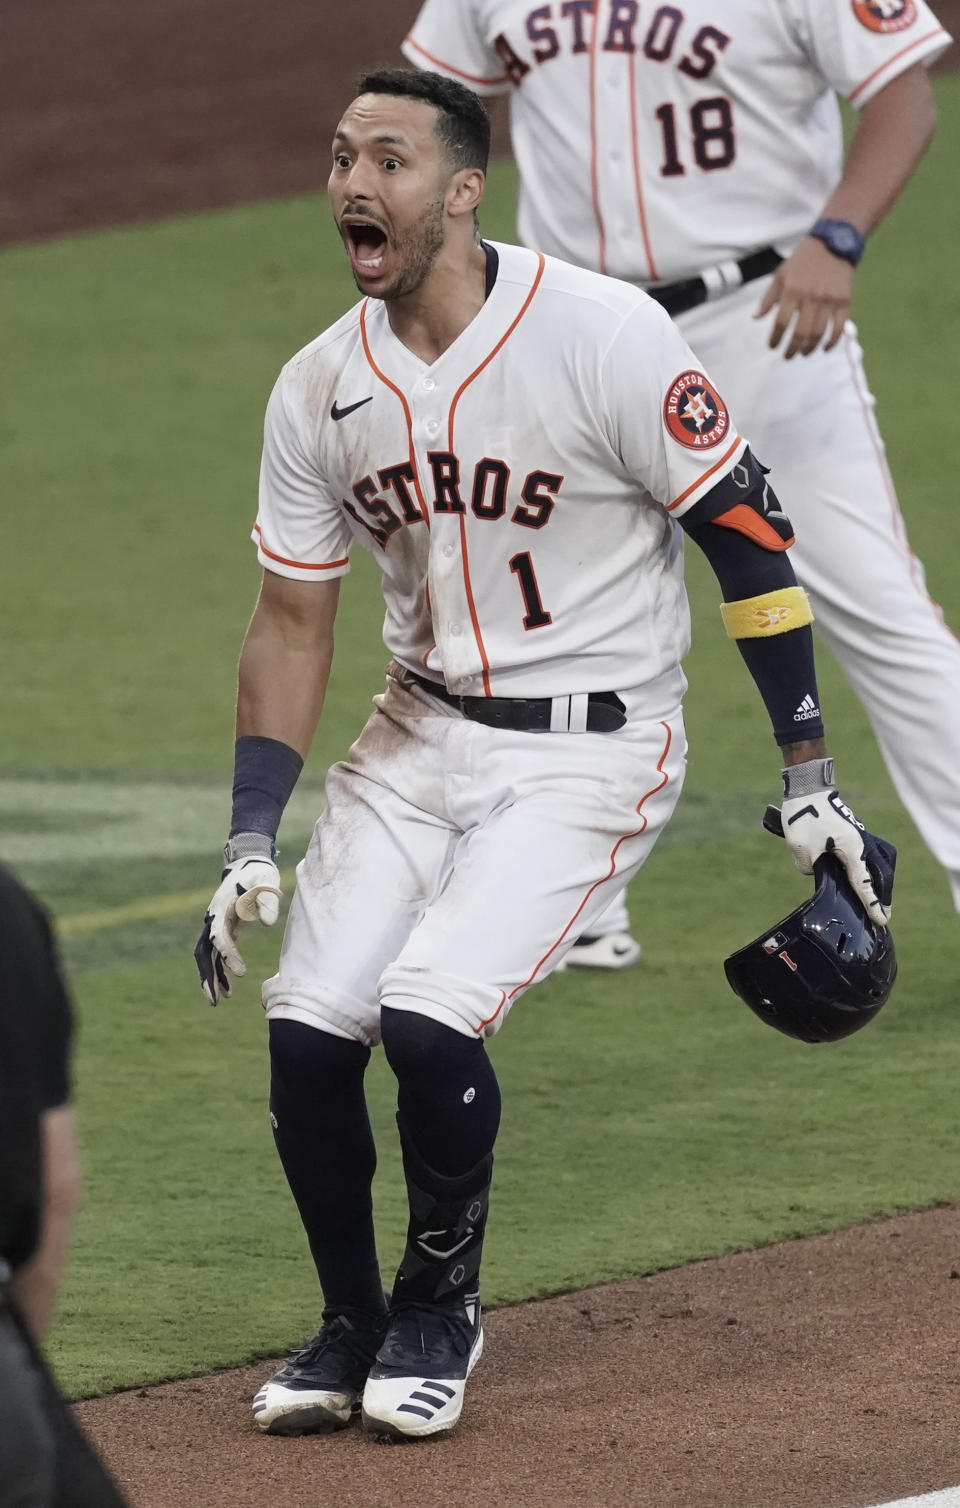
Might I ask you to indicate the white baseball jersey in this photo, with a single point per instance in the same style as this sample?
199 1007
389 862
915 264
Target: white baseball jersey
519 492
656 140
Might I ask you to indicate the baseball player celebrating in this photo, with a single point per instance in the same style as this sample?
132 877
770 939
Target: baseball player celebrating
520 444
700 155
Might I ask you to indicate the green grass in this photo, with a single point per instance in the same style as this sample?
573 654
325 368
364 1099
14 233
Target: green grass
648 1119
646 1123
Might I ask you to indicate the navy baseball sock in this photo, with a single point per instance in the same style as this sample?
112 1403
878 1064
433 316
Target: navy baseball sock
322 1132
448 1096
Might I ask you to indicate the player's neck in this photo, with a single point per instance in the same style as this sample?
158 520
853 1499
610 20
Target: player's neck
431 318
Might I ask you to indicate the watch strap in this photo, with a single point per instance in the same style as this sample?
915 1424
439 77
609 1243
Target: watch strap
840 237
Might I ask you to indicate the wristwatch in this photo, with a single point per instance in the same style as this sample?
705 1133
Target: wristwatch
840 237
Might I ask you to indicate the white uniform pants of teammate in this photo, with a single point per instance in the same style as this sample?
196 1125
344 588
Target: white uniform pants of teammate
455 864
811 421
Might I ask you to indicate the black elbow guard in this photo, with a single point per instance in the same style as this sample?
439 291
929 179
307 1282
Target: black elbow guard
744 501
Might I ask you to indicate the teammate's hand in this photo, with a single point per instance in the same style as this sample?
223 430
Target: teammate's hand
814 286
823 823
249 891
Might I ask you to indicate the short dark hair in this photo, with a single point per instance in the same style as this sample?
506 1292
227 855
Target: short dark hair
463 125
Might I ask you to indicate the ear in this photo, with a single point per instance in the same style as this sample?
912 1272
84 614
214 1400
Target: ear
464 192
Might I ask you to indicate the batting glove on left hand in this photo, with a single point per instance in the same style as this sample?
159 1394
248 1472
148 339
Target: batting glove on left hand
249 891
815 820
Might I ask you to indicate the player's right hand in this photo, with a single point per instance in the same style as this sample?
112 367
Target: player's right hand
249 891
813 288
822 823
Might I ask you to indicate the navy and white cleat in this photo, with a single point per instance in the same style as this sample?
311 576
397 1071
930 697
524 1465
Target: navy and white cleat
416 1385
319 1389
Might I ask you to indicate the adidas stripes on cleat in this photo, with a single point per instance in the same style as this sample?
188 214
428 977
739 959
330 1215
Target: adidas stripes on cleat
416 1385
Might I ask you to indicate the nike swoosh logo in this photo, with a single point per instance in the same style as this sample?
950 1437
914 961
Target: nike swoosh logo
341 413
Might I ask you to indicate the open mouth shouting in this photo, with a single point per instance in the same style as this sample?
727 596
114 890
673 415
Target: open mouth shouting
366 243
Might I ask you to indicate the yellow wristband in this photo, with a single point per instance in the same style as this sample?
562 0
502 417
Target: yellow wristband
770 613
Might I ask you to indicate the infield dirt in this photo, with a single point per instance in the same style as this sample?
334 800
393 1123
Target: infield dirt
821 1373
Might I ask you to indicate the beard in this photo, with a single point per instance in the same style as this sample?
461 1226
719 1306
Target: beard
417 250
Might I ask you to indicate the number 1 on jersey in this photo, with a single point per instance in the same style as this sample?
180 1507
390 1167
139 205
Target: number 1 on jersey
522 568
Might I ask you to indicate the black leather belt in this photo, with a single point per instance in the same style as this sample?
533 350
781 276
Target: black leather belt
689 292
605 711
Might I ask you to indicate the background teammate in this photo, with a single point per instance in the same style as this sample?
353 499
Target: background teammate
516 441
698 151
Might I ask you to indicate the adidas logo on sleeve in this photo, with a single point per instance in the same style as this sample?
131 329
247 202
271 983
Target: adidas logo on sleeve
806 710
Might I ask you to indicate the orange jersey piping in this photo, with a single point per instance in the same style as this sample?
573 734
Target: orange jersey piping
594 186
637 178
939 32
471 78
474 619
700 480
301 565
406 409
603 878
426 596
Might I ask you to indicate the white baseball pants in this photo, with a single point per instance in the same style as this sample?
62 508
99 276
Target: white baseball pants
455 864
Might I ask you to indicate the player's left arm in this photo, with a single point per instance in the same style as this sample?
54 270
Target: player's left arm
745 534
737 520
812 289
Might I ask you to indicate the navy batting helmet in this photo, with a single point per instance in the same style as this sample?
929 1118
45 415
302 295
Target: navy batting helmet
823 971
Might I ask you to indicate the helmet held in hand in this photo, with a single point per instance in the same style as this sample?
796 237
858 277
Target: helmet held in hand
822 972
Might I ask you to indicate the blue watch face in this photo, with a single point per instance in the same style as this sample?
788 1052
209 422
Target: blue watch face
842 239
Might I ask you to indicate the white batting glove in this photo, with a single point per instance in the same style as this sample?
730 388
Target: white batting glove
249 891
815 821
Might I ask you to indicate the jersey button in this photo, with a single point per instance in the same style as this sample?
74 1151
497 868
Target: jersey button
455 630
431 426
428 384
448 549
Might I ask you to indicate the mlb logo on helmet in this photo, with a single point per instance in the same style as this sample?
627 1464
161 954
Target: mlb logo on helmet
885 15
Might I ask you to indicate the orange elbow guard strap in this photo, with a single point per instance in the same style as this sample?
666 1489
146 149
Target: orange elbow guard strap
748 520
774 612
743 503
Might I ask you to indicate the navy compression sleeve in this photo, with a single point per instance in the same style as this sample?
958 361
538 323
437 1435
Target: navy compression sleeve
764 608
265 772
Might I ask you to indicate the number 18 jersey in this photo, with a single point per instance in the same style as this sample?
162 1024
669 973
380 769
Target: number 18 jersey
655 140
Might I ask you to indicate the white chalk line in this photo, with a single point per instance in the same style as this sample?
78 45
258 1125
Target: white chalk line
949 1497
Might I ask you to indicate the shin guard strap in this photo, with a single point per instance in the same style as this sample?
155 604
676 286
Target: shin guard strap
445 1234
